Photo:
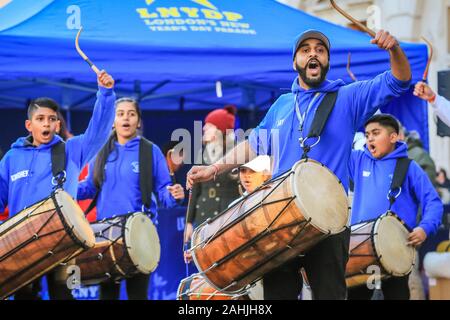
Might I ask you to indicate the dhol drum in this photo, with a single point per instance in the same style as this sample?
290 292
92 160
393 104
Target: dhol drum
381 243
282 219
125 246
195 287
39 238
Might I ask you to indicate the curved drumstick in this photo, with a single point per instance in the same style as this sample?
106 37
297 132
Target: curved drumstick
349 17
185 242
83 55
425 74
352 75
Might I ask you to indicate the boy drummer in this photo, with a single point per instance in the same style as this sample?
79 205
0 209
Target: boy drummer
26 171
372 171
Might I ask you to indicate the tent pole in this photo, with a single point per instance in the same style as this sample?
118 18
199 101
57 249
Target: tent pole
66 99
182 102
137 89
153 89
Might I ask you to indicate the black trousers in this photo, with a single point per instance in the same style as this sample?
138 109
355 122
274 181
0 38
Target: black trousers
325 267
395 288
137 288
56 290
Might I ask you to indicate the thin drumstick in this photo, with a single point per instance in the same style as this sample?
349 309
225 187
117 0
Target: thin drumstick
356 22
83 55
427 69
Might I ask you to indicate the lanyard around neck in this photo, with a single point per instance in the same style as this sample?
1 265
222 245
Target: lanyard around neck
302 117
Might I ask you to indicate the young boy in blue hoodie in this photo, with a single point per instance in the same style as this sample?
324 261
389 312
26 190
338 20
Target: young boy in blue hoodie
372 171
282 135
26 171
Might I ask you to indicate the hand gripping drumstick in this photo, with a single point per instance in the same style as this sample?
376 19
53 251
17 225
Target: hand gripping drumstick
425 74
186 243
349 17
170 165
83 55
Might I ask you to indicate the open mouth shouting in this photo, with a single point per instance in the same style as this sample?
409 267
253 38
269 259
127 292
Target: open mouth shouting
313 67
46 134
372 148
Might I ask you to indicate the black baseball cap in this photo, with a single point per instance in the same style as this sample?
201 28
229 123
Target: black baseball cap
311 34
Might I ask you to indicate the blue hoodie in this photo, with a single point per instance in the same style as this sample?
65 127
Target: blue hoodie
355 104
120 193
373 178
26 171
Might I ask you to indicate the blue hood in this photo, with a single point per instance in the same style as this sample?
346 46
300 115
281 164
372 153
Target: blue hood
25 142
130 145
326 86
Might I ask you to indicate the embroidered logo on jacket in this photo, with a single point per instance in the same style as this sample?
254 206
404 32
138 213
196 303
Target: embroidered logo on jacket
135 165
19 175
280 122
366 174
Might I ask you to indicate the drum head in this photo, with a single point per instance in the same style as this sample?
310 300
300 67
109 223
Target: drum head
143 244
256 292
75 218
320 196
390 240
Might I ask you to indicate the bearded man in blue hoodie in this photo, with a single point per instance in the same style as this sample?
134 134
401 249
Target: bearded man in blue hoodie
290 118
372 171
26 171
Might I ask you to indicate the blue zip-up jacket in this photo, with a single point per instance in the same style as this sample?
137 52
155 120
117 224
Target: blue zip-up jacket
26 171
355 104
121 193
373 178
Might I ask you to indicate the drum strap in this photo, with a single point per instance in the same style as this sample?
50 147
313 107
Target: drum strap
146 171
58 153
400 172
92 204
145 175
320 119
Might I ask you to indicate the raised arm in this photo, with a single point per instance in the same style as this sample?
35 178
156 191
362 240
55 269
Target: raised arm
441 106
83 148
399 62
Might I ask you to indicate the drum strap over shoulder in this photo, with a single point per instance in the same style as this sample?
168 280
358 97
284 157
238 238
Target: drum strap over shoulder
322 114
145 175
400 172
146 171
58 154
320 119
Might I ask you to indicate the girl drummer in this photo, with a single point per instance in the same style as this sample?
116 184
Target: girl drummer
115 176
